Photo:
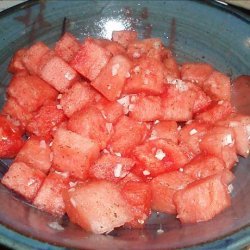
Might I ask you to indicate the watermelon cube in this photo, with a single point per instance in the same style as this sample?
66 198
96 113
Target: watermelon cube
77 97
73 153
215 112
90 59
147 77
30 92
196 72
50 196
171 69
98 213
174 108
192 134
46 120
217 86
164 187
90 123
55 71
111 167
10 138
124 37
111 111
16 64
33 55
67 47
112 77
202 200
203 166
146 108
13 109
113 47
35 153
138 195
23 179
220 142
164 130
156 157
120 141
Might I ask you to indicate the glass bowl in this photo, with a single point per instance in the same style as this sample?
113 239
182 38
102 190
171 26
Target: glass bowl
202 31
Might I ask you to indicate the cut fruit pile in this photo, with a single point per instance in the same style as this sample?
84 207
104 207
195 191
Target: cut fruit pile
116 129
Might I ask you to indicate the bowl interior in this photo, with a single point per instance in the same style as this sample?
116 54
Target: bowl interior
196 31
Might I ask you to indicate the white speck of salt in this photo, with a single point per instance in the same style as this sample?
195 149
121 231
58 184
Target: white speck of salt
137 69
156 121
73 202
115 69
56 226
118 170
58 106
160 231
118 154
42 144
220 102
146 172
59 96
193 131
230 188
181 169
141 221
31 181
160 154
72 183
109 127
69 76
127 75
227 140
136 54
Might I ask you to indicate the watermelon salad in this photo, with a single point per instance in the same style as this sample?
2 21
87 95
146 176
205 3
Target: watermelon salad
107 131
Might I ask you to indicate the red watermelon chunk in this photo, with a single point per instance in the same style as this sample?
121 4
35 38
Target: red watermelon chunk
90 59
158 156
220 142
171 69
77 97
108 208
67 47
146 108
203 166
130 177
113 47
91 123
111 111
120 141
146 48
10 138
23 179
112 77
164 130
124 37
50 196
55 71
217 86
35 153
174 107
203 199
192 134
13 109
164 187
73 153
111 167
46 120
202 101
138 195
16 64
33 55
30 92
147 77
215 112
196 72
241 131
